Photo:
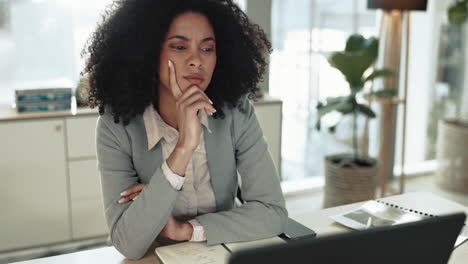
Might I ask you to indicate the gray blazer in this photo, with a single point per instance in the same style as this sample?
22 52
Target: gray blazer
236 145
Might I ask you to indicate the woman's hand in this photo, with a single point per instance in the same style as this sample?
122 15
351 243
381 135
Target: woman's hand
131 193
188 104
176 230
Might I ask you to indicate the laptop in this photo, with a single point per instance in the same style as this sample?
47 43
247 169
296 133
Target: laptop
426 241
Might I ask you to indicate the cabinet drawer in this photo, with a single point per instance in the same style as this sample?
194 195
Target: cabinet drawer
81 136
84 179
86 200
88 219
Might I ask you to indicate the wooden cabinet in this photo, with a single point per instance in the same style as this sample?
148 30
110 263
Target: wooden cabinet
33 190
50 182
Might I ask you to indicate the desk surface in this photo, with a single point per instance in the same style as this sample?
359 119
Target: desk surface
319 221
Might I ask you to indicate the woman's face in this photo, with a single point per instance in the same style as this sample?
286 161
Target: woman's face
190 44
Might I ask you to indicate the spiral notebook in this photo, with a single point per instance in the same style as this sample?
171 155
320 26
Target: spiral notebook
378 213
200 253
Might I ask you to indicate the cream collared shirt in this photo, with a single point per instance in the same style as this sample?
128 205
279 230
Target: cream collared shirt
197 196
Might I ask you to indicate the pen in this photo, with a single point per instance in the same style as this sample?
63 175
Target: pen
369 222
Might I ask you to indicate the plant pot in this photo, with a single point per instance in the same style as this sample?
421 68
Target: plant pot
452 155
347 182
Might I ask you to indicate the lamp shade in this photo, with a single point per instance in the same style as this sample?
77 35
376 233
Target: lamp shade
397 4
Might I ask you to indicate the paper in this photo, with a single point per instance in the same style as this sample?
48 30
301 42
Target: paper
374 214
254 244
380 215
192 252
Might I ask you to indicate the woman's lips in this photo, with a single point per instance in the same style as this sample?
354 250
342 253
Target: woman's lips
194 79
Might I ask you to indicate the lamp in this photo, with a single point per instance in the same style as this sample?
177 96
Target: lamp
395 19
397 4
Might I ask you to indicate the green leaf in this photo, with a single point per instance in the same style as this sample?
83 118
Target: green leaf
342 104
355 43
333 104
379 73
336 99
385 93
359 55
457 13
365 110
345 107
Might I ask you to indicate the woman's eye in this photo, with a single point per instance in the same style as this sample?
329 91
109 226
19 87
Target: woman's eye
207 49
178 47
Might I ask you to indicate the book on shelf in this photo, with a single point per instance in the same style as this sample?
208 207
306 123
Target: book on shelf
42 95
43 106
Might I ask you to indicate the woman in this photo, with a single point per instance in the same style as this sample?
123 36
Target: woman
171 80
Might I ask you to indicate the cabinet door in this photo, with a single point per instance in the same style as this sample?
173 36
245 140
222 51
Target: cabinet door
86 200
81 134
33 188
269 116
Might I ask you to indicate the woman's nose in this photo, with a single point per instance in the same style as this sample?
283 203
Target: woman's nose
194 60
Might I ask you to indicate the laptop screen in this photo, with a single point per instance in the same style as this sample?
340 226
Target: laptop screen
426 241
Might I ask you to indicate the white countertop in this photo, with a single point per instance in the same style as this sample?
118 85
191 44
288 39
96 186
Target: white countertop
8 113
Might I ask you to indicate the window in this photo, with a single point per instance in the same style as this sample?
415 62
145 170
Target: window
44 42
303 33
41 41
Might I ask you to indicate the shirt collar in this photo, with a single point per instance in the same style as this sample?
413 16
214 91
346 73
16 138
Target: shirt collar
156 128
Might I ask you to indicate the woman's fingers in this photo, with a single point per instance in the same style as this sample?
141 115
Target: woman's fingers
133 196
199 105
189 92
198 97
131 193
195 94
192 90
176 92
133 189
128 198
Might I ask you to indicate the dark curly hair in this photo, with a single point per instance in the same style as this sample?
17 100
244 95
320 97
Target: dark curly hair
122 55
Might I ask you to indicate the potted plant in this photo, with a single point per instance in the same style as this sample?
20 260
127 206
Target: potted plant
352 177
81 92
452 132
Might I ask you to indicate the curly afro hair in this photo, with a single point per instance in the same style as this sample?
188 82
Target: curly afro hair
122 55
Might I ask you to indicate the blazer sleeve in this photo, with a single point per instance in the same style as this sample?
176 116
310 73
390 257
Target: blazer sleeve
134 225
264 214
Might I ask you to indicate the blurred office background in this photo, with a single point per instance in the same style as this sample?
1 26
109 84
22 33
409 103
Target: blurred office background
41 41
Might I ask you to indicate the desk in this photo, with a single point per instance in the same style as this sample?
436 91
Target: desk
319 221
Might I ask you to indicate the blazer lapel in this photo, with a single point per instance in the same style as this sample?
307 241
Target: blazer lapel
220 171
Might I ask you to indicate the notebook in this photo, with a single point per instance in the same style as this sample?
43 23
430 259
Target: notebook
192 252
379 213
200 253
